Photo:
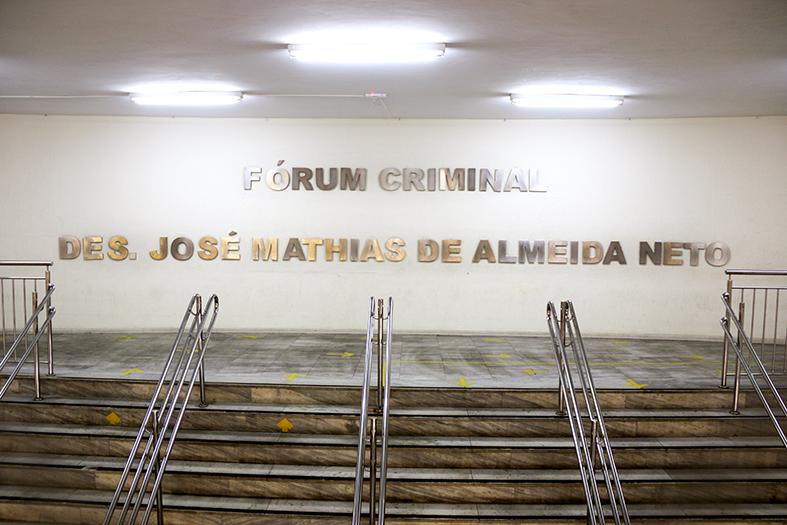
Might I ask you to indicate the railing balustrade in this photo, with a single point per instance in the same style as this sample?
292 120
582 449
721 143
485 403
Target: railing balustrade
748 359
31 346
158 424
15 291
372 414
760 303
594 451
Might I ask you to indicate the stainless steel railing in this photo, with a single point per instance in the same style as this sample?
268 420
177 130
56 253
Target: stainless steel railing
742 360
14 308
760 301
179 381
593 451
31 346
372 415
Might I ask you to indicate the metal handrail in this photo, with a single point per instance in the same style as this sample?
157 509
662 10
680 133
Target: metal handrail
31 323
381 409
564 331
742 362
185 372
47 281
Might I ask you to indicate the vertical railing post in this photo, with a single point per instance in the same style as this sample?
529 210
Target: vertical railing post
726 354
200 348
372 469
156 469
36 356
380 344
561 403
737 394
50 352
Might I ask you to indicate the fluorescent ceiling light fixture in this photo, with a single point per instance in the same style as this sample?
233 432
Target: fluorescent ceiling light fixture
553 100
187 98
366 53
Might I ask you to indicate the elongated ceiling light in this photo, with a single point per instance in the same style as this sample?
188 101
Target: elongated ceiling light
366 53
551 100
188 98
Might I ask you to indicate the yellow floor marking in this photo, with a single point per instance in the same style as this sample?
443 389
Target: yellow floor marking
620 342
534 372
113 419
635 384
462 382
290 377
345 354
248 336
501 356
125 336
695 356
498 339
127 371
284 425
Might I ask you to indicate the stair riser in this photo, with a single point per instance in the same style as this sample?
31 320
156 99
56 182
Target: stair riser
199 419
416 457
89 514
521 492
401 397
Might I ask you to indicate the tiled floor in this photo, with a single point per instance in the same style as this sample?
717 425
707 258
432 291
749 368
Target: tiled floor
488 361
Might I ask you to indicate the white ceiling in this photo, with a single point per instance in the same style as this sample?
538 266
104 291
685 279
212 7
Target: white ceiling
671 58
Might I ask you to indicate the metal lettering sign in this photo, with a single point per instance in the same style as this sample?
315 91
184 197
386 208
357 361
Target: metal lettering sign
230 248
393 179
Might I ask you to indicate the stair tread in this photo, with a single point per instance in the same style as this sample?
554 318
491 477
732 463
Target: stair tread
422 510
353 410
394 441
394 473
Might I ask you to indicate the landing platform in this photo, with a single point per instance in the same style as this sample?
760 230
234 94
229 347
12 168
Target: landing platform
460 361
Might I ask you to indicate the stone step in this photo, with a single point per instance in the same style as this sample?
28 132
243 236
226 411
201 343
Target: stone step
142 390
86 507
405 451
424 421
416 485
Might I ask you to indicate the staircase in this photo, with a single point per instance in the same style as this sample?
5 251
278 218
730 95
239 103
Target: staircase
267 454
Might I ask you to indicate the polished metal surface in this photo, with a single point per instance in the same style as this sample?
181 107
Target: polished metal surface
593 450
16 308
179 382
760 296
746 362
38 331
377 319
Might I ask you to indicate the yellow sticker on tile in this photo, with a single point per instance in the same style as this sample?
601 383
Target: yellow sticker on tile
113 419
284 425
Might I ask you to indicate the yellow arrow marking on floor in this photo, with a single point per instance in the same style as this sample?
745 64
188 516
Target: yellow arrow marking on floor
635 384
345 354
498 339
462 382
534 372
695 356
284 425
620 342
248 336
113 419
125 336
127 371
501 356
290 377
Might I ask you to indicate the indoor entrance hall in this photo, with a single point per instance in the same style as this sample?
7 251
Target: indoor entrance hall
444 361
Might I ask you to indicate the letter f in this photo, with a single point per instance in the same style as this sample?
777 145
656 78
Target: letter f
250 175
